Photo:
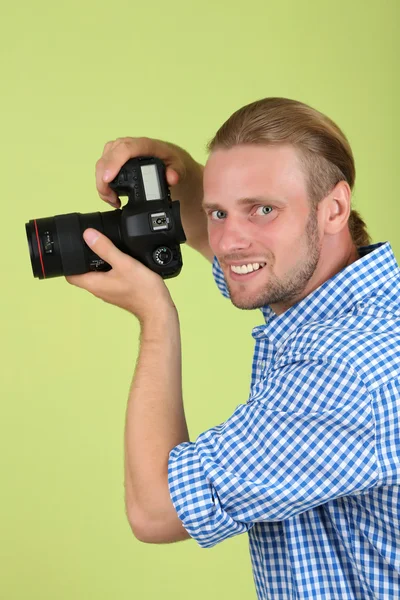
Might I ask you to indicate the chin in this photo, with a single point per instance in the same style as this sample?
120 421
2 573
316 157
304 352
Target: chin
246 303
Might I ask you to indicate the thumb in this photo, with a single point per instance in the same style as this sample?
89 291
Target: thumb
101 245
90 236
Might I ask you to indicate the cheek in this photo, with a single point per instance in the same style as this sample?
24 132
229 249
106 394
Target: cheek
213 237
287 245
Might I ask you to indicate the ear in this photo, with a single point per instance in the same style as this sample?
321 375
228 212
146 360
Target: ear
336 208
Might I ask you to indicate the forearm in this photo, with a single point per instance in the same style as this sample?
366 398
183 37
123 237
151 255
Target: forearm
190 196
194 220
155 418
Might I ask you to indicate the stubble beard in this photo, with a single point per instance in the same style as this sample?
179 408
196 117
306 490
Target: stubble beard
288 290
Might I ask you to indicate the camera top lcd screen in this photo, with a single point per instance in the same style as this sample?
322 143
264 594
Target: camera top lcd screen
151 182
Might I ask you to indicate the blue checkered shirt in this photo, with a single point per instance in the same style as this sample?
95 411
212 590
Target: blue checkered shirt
309 466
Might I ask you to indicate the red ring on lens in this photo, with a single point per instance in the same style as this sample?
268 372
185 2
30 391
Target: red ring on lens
40 251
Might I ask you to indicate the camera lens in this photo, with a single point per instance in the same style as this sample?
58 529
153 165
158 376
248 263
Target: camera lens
57 247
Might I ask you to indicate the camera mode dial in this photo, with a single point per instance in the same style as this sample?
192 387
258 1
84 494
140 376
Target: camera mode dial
162 256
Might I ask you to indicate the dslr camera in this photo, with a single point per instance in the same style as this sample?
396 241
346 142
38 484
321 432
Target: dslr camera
148 227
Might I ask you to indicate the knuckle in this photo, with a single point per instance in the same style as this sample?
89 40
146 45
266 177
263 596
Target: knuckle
107 145
132 145
123 141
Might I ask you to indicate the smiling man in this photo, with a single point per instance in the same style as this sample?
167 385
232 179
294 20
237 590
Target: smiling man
282 234
309 464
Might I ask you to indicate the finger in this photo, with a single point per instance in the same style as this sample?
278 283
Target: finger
125 148
172 176
110 195
87 281
105 192
116 153
107 146
103 247
122 150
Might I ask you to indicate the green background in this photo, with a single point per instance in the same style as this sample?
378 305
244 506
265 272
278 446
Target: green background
75 76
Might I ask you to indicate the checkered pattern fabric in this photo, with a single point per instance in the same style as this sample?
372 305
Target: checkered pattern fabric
309 466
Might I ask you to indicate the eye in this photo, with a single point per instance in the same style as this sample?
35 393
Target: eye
217 215
264 210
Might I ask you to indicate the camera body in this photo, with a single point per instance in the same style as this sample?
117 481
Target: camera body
148 227
150 222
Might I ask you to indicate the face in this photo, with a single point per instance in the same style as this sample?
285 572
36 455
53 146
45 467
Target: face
261 226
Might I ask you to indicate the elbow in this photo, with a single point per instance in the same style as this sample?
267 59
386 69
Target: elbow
137 525
140 534
158 532
163 526
143 533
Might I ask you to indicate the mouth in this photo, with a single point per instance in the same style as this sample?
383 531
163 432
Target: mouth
245 272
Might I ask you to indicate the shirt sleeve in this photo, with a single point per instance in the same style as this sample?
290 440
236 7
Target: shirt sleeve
268 464
219 278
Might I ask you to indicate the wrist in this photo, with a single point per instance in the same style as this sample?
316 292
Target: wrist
159 324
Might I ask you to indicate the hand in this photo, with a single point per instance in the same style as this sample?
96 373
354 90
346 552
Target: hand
129 285
115 154
183 173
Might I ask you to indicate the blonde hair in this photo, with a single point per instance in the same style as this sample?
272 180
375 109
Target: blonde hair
324 150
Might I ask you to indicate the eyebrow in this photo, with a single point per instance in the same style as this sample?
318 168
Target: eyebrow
245 202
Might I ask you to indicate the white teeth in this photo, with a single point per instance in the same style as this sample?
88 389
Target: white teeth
243 269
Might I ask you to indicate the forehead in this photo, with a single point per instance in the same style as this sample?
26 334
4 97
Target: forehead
254 170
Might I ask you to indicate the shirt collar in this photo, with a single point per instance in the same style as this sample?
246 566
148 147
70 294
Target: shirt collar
337 295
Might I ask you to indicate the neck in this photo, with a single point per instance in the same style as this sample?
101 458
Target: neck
334 257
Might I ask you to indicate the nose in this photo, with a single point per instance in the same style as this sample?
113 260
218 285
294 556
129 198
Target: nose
233 237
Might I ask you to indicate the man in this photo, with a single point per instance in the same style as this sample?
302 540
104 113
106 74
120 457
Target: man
309 465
